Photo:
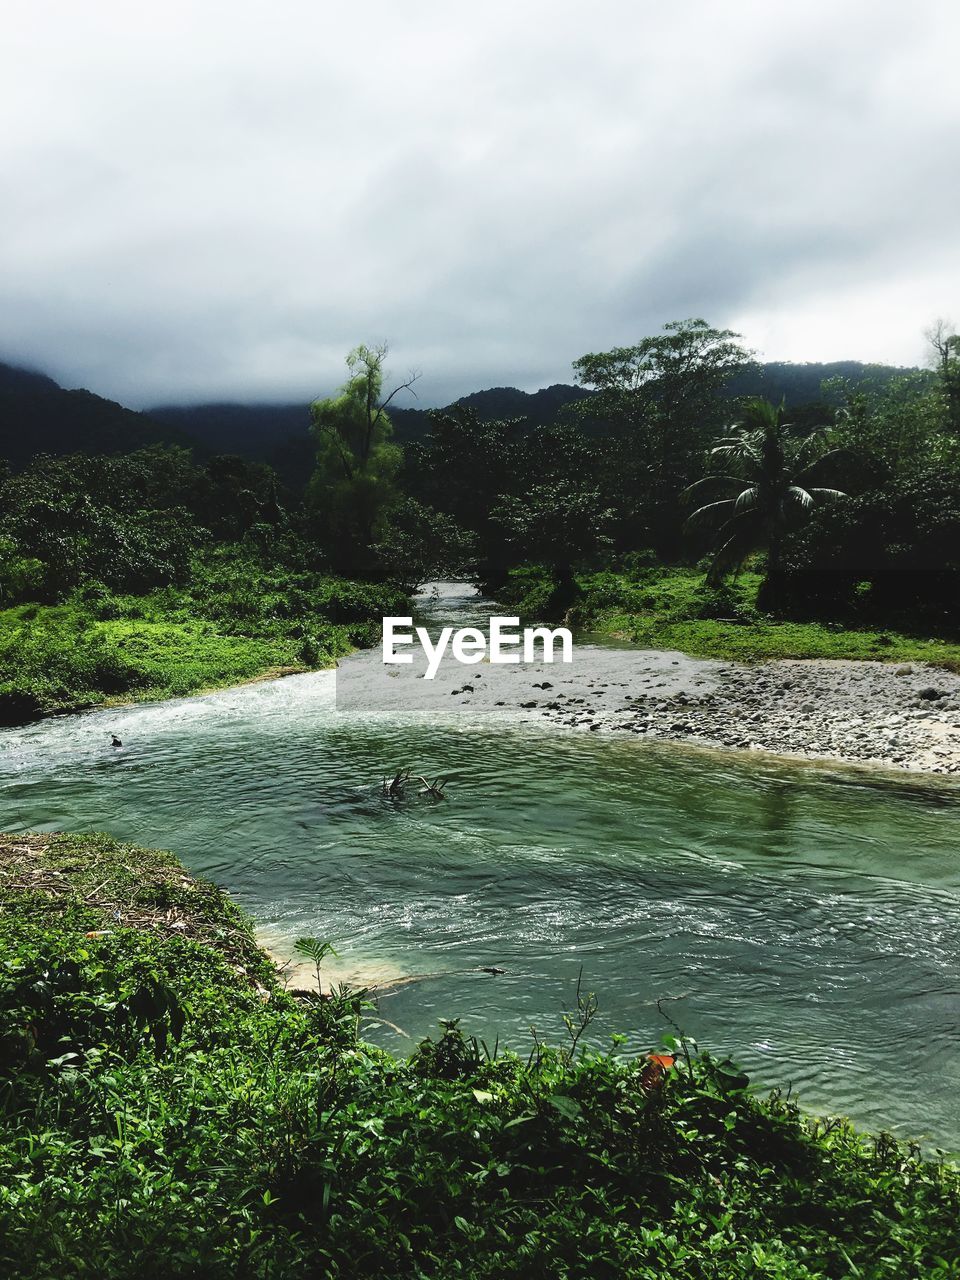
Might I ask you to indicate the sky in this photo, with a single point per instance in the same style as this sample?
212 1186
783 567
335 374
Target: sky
216 201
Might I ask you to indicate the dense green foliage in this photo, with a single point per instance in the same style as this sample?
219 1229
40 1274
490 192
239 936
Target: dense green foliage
235 619
157 571
353 487
662 402
676 608
887 556
767 481
166 1108
147 574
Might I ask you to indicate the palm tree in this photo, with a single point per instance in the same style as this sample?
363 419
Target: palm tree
768 487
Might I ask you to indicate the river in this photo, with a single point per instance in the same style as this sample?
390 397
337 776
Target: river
806 920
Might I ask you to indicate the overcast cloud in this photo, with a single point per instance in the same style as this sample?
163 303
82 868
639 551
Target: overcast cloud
217 200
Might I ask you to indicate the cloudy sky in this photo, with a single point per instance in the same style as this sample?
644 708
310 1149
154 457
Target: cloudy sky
212 200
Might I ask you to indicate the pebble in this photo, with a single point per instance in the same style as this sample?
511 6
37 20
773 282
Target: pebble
853 711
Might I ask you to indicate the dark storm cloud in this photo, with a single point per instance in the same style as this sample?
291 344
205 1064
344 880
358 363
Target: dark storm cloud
219 200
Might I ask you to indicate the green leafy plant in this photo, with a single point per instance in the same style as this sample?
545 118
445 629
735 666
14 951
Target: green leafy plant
314 950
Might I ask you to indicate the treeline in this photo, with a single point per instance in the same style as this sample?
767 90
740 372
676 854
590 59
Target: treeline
850 506
874 535
154 574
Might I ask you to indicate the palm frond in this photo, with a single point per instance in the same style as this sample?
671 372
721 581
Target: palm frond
760 415
813 443
712 515
740 449
742 539
801 496
718 483
770 493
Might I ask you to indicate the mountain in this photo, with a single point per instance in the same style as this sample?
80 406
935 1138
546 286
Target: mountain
799 384
37 416
539 408
273 433
254 429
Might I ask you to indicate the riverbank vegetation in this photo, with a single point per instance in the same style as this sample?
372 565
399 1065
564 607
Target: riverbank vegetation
151 575
141 1027
658 508
161 571
675 608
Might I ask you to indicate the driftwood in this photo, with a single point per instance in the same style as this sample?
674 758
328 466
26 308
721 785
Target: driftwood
395 787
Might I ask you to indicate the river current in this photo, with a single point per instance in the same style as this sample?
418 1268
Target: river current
804 919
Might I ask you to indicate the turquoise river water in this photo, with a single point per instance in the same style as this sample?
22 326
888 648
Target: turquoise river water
803 919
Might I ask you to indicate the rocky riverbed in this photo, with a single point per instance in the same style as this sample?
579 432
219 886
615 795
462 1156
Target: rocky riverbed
907 716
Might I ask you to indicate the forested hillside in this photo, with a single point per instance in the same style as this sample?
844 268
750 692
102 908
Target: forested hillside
278 433
37 416
631 501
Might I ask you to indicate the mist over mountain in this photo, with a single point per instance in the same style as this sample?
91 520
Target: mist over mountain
38 416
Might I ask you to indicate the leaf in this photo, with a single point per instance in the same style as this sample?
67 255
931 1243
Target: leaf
483 1095
569 1108
655 1070
511 1124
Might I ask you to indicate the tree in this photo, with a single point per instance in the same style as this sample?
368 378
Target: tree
945 349
769 489
555 523
687 360
421 544
900 423
889 556
354 483
461 468
661 398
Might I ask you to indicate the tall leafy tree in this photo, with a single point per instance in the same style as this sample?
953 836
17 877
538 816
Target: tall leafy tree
557 525
687 362
462 468
945 349
661 399
354 483
771 482
900 423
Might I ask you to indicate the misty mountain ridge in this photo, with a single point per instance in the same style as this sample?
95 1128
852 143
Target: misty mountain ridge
39 416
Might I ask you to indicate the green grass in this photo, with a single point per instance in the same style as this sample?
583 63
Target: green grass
234 622
756 641
59 659
167 1109
673 609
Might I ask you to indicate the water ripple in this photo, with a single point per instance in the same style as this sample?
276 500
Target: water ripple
809 924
